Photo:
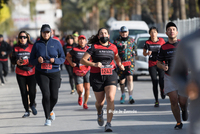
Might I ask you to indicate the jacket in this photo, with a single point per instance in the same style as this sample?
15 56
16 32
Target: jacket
51 49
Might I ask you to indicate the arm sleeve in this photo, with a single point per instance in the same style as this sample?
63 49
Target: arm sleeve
61 56
8 50
161 56
145 46
33 58
13 57
90 50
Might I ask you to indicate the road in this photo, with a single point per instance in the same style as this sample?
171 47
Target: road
138 118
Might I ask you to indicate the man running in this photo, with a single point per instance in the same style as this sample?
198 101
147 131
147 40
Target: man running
127 50
166 55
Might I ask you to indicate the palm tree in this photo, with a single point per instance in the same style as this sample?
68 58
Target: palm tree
192 8
165 10
182 9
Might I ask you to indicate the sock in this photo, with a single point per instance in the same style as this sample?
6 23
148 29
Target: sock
123 94
130 96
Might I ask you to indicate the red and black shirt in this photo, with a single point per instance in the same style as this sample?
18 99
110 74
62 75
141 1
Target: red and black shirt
154 47
103 54
77 53
66 49
166 54
23 52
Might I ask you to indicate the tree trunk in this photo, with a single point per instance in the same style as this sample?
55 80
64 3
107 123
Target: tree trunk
159 15
176 13
165 10
192 8
112 11
159 11
95 11
138 7
182 9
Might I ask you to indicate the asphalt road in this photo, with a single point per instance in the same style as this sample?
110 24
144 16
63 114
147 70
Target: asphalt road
138 118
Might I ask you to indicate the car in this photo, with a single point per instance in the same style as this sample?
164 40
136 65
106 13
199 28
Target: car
135 27
141 62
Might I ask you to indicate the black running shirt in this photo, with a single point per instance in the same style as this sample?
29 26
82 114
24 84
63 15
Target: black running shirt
166 54
154 47
103 54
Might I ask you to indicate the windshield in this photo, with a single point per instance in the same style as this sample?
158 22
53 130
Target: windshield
115 33
141 41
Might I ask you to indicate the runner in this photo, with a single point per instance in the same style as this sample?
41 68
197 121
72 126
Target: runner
47 55
127 51
25 73
153 46
67 48
81 72
167 54
103 77
5 50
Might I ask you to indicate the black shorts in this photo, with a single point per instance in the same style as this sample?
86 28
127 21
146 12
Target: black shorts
82 79
98 81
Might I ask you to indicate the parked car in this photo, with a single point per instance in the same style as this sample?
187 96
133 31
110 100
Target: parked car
141 62
135 27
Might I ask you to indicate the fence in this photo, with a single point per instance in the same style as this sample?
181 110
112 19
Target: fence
184 26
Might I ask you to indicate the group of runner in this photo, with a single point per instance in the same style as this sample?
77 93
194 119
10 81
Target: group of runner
98 65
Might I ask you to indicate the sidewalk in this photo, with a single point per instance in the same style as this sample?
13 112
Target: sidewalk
139 118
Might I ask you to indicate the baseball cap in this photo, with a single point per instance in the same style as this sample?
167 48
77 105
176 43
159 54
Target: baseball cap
45 27
123 29
81 36
171 24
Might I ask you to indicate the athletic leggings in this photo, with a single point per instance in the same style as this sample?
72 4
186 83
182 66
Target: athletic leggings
4 68
71 76
23 81
153 73
49 84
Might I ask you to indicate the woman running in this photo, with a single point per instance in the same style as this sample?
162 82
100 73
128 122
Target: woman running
81 72
151 48
103 76
68 47
25 73
47 55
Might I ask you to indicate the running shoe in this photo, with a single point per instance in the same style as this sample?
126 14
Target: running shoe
47 122
162 94
131 100
73 91
178 126
34 111
184 115
100 119
52 115
122 100
2 84
156 104
85 106
108 127
26 114
80 101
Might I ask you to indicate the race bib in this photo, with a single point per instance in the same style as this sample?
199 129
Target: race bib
126 63
106 70
46 66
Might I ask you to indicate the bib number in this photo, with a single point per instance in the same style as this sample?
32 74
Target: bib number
126 63
106 70
46 66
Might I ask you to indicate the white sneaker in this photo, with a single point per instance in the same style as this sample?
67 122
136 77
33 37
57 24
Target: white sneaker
2 84
53 116
47 122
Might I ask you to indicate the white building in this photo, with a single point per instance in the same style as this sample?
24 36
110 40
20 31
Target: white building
46 13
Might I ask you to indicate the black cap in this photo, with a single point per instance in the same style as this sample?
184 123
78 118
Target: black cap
171 24
45 27
1 35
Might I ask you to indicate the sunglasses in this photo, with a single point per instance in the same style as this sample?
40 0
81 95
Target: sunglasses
24 37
